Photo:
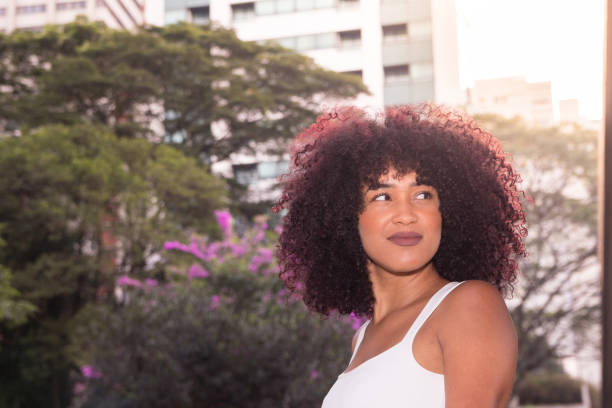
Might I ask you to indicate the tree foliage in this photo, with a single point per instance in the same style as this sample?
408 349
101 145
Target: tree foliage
81 206
555 305
113 131
223 334
180 81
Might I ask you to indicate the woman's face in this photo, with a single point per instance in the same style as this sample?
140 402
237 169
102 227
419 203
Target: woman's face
401 224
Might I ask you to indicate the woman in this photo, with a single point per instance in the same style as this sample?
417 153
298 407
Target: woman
415 222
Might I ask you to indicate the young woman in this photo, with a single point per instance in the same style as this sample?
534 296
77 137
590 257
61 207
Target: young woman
414 221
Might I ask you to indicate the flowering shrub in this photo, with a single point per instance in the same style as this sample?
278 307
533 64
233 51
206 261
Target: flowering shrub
220 332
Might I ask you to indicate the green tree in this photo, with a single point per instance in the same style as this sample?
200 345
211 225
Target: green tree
79 207
223 334
183 80
555 305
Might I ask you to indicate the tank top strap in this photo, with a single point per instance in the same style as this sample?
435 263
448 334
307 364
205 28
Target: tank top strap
361 330
429 308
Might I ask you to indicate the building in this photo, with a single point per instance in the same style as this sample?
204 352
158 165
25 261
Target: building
33 15
398 47
568 111
405 51
513 96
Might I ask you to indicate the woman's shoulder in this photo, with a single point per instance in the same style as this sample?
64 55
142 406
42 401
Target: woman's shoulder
478 342
474 294
475 304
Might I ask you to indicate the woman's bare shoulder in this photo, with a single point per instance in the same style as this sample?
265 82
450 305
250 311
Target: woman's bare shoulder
478 343
475 296
475 308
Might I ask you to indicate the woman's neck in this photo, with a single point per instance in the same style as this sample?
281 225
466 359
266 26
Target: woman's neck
394 291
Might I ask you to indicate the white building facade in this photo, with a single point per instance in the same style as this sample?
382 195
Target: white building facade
33 15
405 51
513 96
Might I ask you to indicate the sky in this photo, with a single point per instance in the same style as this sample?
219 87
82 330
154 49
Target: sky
542 40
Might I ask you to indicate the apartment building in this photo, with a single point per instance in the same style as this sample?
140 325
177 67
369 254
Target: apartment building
33 15
513 96
405 51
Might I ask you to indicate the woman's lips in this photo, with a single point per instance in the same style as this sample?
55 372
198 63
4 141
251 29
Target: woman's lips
405 238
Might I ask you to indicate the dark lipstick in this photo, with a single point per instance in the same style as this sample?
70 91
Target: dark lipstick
405 238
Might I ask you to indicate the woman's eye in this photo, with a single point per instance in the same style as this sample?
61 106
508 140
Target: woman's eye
424 195
381 197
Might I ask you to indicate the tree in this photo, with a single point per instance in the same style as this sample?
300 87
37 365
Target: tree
89 192
555 305
222 334
64 246
178 81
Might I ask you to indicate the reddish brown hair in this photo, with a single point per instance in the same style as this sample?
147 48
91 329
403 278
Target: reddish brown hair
483 223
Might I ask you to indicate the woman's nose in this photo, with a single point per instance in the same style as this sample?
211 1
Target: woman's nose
404 213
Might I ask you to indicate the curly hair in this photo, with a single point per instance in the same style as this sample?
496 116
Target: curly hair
320 254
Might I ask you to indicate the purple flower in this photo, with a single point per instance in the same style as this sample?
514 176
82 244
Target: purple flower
125 280
151 282
259 236
264 255
278 229
89 372
356 322
214 302
175 245
314 374
237 249
194 249
212 251
198 271
224 219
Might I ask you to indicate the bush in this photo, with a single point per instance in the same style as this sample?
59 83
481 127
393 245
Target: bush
222 334
549 388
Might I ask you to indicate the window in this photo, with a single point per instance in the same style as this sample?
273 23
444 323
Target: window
174 16
395 32
199 15
305 42
245 174
243 11
350 38
326 40
421 70
267 170
302 5
71 5
397 73
35 8
265 7
324 3
287 42
419 29
285 6
500 99
309 42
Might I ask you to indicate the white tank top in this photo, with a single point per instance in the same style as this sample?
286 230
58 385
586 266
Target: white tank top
392 378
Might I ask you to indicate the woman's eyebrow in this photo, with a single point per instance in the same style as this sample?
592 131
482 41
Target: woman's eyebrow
377 185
